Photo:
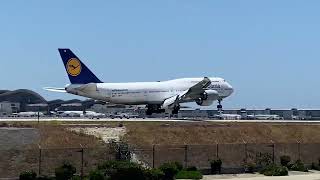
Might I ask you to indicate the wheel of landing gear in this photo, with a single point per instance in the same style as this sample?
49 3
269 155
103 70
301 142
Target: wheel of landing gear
148 112
219 106
204 96
176 110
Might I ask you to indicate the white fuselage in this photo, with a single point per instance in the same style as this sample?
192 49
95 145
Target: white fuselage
136 93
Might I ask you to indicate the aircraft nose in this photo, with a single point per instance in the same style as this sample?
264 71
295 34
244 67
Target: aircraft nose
230 88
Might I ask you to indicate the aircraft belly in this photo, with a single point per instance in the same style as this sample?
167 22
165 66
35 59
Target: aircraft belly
138 99
156 97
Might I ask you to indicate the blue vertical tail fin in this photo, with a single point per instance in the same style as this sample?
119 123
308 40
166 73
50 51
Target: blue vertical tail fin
77 71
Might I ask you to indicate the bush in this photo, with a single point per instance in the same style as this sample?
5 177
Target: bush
179 166
96 175
44 178
264 160
274 170
122 170
153 174
76 178
170 170
216 166
189 175
315 166
192 168
250 167
298 166
28 175
285 160
65 172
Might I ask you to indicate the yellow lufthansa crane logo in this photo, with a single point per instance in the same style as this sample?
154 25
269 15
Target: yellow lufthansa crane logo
74 67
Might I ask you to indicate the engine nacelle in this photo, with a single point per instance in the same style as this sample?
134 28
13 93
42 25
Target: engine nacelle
207 98
201 102
209 95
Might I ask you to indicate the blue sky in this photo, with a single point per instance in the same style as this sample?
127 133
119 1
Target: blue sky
268 50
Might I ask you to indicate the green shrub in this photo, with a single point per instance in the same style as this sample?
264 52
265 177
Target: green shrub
96 175
44 178
298 166
264 160
28 175
65 172
153 174
250 167
179 166
189 175
76 178
192 168
274 170
170 170
106 165
216 166
285 160
315 166
122 170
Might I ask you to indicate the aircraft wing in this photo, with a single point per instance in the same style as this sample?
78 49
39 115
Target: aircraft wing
195 91
192 93
55 89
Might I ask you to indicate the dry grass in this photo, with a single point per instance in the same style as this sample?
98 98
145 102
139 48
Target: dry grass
55 134
211 133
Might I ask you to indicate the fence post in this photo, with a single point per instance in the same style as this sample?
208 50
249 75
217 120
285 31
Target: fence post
82 151
153 155
118 153
217 151
186 156
273 156
39 163
246 153
299 150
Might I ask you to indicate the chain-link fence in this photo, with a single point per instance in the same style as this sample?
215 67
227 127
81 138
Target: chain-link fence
234 156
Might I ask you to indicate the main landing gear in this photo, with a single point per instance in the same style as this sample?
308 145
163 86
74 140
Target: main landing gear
176 109
154 108
219 106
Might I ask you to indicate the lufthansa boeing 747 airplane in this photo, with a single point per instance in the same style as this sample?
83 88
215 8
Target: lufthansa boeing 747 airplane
163 96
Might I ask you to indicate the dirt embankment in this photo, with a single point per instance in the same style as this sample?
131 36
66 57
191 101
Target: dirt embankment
177 133
211 133
60 136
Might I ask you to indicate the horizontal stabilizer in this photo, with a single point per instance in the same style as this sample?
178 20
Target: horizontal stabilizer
55 89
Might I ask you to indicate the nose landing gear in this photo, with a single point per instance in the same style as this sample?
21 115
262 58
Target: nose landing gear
219 106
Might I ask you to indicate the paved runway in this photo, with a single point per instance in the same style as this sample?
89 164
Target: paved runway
153 120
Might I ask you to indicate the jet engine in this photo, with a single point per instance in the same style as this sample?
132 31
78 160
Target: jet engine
207 98
201 102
